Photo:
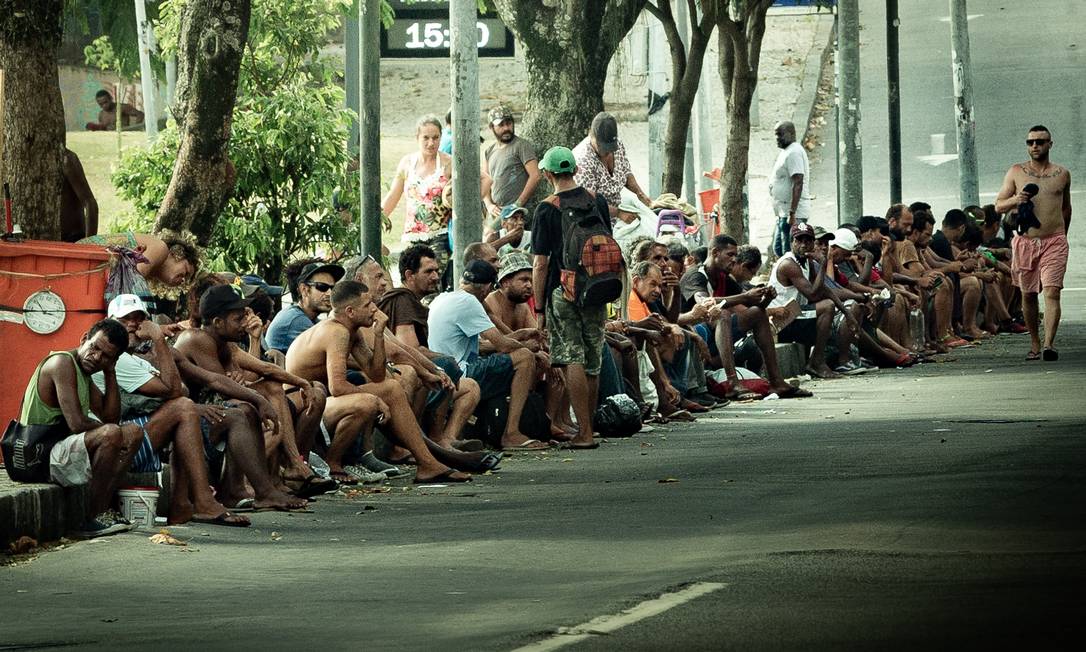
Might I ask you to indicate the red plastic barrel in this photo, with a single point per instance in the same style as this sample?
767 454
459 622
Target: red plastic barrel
75 273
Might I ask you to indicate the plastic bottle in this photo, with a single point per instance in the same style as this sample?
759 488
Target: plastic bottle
918 329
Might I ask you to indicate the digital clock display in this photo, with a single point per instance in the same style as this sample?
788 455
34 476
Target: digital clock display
426 33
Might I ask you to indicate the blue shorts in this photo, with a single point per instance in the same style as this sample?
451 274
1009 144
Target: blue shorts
494 373
449 366
146 459
707 333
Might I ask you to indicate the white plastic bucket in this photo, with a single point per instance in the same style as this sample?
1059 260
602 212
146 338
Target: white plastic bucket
139 505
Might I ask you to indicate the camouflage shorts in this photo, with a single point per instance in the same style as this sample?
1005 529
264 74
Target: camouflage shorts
576 334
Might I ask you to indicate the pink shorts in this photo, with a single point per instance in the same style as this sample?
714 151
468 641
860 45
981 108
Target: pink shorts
1039 262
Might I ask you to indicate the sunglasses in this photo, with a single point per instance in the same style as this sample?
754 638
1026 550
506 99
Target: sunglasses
1036 141
318 286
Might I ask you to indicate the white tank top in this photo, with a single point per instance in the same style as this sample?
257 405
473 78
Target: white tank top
786 294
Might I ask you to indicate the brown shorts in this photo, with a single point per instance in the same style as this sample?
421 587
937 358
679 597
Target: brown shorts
1039 262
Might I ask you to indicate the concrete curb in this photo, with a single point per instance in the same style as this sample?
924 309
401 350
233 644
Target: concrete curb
792 359
40 511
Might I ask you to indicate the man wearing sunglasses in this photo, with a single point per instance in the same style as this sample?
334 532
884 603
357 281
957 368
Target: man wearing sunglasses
311 291
1040 255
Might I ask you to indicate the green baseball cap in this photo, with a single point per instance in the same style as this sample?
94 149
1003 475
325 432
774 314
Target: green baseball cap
559 160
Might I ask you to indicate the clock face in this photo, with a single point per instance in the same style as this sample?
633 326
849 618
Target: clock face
44 312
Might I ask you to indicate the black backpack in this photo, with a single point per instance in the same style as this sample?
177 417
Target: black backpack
493 414
591 261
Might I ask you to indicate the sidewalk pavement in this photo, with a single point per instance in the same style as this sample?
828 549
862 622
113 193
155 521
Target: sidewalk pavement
40 511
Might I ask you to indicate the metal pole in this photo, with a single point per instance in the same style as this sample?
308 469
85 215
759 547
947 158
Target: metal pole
467 194
147 77
969 188
171 83
893 98
657 119
848 144
369 56
350 77
683 22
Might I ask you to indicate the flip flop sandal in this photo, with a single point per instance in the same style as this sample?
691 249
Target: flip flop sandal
223 519
243 505
795 392
1033 355
527 447
1050 355
445 476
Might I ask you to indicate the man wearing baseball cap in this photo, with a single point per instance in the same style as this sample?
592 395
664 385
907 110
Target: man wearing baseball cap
602 166
311 288
510 172
457 321
511 235
290 422
153 398
804 308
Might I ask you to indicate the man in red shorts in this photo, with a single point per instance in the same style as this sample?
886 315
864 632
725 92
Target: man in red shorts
1040 255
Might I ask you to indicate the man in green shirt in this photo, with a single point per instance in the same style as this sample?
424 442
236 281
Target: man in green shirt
98 451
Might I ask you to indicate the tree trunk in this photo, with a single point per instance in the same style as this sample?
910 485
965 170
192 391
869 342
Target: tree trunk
568 45
211 44
740 40
686 64
33 153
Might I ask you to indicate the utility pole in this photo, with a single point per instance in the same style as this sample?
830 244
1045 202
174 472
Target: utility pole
656 44
467 195
851 171
893 99
350 77
969 187
171 83
683 21
145 38
369 154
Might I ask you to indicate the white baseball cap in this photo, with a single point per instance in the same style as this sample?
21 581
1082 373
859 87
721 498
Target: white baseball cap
123 305
845 239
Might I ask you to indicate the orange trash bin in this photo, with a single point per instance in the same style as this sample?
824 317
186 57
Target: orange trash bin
50 294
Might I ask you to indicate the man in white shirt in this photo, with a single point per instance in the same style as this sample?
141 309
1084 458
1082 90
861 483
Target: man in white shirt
788 187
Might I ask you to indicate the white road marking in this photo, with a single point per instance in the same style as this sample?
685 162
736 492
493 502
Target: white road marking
610 623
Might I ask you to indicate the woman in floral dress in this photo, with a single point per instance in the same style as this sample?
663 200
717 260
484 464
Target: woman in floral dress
423 177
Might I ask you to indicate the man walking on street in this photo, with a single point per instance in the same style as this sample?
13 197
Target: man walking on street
510 172
1042 189
575 327
788 187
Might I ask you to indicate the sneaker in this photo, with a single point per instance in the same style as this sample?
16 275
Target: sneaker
850 369
102 525
363 475
705 400
370 462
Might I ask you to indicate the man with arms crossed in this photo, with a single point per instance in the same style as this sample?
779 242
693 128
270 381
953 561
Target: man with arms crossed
1040 256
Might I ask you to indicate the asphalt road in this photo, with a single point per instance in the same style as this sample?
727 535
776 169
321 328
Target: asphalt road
941 506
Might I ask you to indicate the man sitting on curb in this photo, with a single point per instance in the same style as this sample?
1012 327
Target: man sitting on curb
321 353
311 291
153 398
97 452
797 278
715 285
213 347
456 322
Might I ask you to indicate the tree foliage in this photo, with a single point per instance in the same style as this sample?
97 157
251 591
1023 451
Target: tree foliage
288 145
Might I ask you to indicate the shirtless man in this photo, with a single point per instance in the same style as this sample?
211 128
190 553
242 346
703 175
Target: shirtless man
213 347
107 116
1040 256
321 353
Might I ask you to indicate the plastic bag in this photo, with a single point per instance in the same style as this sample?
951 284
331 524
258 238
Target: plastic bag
617 416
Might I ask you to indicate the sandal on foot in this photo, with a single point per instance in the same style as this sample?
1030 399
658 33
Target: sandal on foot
529 446
1033 355
1050 355
444 476
225 519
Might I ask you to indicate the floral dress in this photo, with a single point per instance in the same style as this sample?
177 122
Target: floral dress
428 214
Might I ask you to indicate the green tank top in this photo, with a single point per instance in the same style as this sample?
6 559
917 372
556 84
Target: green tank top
36 412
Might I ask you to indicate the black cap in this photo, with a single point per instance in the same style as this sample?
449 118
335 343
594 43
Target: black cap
312 269
605 131
221 299
255 282
480 271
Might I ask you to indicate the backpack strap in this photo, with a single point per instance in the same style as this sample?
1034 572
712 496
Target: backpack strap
553 200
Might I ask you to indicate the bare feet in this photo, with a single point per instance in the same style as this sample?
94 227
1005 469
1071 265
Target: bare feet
279 500
519 441
440 474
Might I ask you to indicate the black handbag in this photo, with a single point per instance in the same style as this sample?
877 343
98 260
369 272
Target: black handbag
26 449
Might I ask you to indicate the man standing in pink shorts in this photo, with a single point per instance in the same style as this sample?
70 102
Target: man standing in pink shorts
1040 255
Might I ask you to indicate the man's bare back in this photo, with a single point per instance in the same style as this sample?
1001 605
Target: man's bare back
308 354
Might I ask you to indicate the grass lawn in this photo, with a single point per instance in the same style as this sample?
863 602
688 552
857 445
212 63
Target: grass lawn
98 152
